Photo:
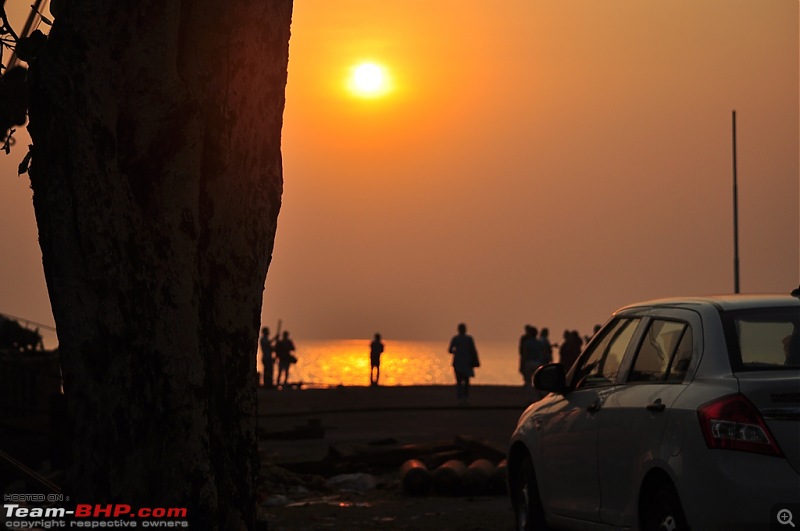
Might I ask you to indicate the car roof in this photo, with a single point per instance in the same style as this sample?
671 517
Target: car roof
721 302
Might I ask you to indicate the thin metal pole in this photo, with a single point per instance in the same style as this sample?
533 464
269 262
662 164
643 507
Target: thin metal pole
735 215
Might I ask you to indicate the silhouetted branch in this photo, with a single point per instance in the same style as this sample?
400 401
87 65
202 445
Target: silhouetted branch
13 87
9 141
26 162
6 27
42 17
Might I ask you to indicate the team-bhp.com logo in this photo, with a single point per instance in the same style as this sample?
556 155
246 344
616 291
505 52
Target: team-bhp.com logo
118 515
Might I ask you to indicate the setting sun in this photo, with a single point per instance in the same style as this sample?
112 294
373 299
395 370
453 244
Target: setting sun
369 80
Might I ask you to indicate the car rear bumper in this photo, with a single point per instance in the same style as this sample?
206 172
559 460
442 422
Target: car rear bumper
728 489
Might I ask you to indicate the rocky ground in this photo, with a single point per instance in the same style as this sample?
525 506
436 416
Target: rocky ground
333 457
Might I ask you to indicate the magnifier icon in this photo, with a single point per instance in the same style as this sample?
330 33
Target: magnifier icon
785 517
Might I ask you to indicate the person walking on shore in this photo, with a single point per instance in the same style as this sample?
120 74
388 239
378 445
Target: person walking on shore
267 357
465 359
375 351
283 352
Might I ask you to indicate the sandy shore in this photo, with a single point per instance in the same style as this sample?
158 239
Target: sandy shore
301 428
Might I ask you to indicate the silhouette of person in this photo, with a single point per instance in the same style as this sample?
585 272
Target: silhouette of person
596 329
267 357
532 355
283 352
570 349
465 359
375 351
523 338
547 347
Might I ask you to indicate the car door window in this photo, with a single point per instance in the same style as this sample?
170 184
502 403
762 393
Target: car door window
657 350
600 366
682 358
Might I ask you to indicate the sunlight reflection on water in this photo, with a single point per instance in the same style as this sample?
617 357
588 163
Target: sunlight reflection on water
346 362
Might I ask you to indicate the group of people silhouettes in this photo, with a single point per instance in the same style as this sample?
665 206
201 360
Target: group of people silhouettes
278 350
535 350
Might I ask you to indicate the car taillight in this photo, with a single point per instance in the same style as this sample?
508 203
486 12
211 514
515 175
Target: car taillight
733 423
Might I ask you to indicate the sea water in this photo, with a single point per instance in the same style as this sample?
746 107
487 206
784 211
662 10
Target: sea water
323 363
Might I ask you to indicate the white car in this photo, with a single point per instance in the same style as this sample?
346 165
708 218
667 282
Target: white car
678 414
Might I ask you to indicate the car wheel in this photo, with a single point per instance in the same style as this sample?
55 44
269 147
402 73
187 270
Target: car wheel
664 512
527 503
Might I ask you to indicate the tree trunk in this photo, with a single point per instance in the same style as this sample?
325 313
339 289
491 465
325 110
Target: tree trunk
157 181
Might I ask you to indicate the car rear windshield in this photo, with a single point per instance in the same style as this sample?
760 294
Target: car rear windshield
764 339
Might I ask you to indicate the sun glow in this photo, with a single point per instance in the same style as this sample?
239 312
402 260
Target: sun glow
369 80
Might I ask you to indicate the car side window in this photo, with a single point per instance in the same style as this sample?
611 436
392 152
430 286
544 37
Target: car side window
657 350
682 358
600 366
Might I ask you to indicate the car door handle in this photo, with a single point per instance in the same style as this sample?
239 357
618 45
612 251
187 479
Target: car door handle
658 405
594 407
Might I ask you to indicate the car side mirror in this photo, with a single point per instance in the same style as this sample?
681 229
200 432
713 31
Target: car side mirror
551 378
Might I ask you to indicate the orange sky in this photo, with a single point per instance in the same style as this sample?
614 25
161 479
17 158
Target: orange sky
542 163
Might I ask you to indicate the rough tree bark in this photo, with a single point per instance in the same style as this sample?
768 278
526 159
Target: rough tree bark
157 181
